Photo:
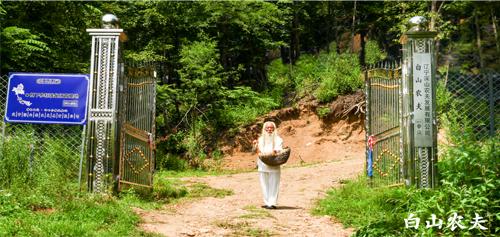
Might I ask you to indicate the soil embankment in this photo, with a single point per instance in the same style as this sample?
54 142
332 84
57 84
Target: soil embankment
332 147
336 136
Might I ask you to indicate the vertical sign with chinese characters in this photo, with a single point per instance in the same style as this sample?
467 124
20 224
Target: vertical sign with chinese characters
422 100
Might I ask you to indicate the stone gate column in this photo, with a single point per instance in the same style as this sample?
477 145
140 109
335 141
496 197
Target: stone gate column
101 130
419 105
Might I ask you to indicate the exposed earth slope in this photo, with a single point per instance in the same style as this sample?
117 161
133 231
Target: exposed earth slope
324 152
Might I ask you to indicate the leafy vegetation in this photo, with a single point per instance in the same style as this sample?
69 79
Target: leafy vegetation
324 76
469 184
224 64
39 193
220 62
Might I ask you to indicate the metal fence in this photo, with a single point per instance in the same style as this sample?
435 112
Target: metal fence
473 99
383 125
477 96
37 152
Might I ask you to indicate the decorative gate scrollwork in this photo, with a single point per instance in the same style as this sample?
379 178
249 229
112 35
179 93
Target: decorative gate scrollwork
120 146
383 126
137 126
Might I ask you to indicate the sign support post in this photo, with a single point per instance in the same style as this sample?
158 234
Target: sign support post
102 127
419 105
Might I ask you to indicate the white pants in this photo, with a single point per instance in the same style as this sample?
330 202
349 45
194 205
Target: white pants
270 183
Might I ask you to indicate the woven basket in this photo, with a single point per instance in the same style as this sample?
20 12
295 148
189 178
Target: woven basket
278 159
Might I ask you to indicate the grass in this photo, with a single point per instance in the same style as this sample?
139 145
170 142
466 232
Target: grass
170 188
468 187
57 209
231 225
243 229
255 213
254 232
191 173
199 190
356 204
87 215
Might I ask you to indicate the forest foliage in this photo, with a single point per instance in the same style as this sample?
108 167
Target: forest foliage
468 188
224 63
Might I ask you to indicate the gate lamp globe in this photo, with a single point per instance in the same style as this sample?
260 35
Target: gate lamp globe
417 23
110 21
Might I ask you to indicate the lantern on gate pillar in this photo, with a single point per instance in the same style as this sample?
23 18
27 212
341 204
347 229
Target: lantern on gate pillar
419 105
102 106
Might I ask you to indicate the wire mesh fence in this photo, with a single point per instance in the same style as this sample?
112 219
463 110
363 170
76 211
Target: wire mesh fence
472 101
477 97
37 154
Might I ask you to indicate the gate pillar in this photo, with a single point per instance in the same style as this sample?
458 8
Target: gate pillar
102 130
418 118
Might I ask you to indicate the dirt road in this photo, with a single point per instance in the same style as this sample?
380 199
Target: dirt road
241 215
337 150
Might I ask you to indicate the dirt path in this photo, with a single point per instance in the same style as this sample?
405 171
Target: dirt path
323 154
241 215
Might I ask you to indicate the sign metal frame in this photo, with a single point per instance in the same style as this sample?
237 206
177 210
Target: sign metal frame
47 98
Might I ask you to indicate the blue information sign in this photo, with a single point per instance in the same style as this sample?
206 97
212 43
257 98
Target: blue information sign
47 98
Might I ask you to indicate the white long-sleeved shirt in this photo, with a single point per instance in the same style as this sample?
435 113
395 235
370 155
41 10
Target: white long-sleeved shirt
268 148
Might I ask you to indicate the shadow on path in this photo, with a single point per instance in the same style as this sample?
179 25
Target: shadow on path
287 208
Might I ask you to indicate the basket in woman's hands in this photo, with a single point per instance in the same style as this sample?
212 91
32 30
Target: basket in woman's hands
276 159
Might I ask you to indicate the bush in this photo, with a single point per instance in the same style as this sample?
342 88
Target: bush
469 184
35 159
170 161
243 106
322 112
373 54
324 76
15 161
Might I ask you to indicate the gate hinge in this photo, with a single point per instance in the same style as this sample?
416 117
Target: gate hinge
151 141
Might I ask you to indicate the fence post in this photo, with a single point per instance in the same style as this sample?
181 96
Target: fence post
2 137
419 105
491 100
102 106
368 105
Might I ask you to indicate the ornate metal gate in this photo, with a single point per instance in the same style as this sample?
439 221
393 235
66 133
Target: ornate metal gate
383 124
137 126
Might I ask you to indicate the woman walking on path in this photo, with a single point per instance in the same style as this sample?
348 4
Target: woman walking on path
269 142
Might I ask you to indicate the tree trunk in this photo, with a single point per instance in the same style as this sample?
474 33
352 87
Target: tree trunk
329 27
362 53
285 54
495 32
336 30
433 16
447 64
432 27
295 44
478 40
351 42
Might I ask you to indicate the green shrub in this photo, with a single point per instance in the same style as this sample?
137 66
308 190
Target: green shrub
170 161
242 107
17 151
469 112
88 215
323 111
469 184
324 76
373 54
